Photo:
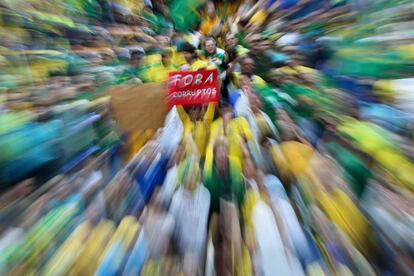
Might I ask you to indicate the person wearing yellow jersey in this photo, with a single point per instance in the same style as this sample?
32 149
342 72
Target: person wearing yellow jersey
160 72
193 63
198 125
234 130
212 22
247 74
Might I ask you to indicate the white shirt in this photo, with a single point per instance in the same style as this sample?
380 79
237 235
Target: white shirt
190 210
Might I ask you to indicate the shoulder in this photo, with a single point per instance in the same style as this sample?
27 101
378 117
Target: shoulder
220 51
203 191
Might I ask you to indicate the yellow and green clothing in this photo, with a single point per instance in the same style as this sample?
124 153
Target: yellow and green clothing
230 188
220 54
257 82
238 129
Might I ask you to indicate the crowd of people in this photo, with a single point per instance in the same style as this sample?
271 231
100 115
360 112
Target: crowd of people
304 167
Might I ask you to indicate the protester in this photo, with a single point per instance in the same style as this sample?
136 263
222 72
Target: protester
190 207
193 62
214 54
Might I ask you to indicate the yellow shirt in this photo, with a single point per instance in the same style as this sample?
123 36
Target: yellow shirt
257 81
202 65
297 156
239 128
208 25
258 18
340 209
297 70
199 130
159 73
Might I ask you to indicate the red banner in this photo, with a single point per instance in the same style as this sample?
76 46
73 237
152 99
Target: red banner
193 88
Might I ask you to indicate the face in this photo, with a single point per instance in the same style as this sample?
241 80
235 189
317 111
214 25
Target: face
188 56
231 41
136 61
210 46
227 114
166 59
248 66
255 102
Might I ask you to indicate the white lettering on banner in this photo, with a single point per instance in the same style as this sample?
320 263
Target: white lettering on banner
187 80
195 93
174 79
198 79
210 78
190 79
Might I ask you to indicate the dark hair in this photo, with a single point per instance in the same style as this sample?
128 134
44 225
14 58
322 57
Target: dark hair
166 52
136 54
225 107
188 47
209 38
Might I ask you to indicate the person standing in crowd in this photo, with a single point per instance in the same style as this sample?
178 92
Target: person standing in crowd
159 73
158 227
198 125
211 24
247 75
190 208
135 72
225 184
235 130
223 179
233 49
214 54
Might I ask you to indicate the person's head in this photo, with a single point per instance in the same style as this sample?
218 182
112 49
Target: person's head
123 54
137 57
221 152
189 52
211 10
231 41
277 77
210 45
190 173
226 112
247 66
178 155
255 102
196 114
166 57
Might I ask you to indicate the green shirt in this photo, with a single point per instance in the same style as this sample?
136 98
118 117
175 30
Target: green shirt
357 173
230 188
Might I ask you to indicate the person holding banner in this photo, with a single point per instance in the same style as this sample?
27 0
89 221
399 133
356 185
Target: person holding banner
198 124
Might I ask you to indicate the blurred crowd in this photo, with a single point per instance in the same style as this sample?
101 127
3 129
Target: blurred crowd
304 167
